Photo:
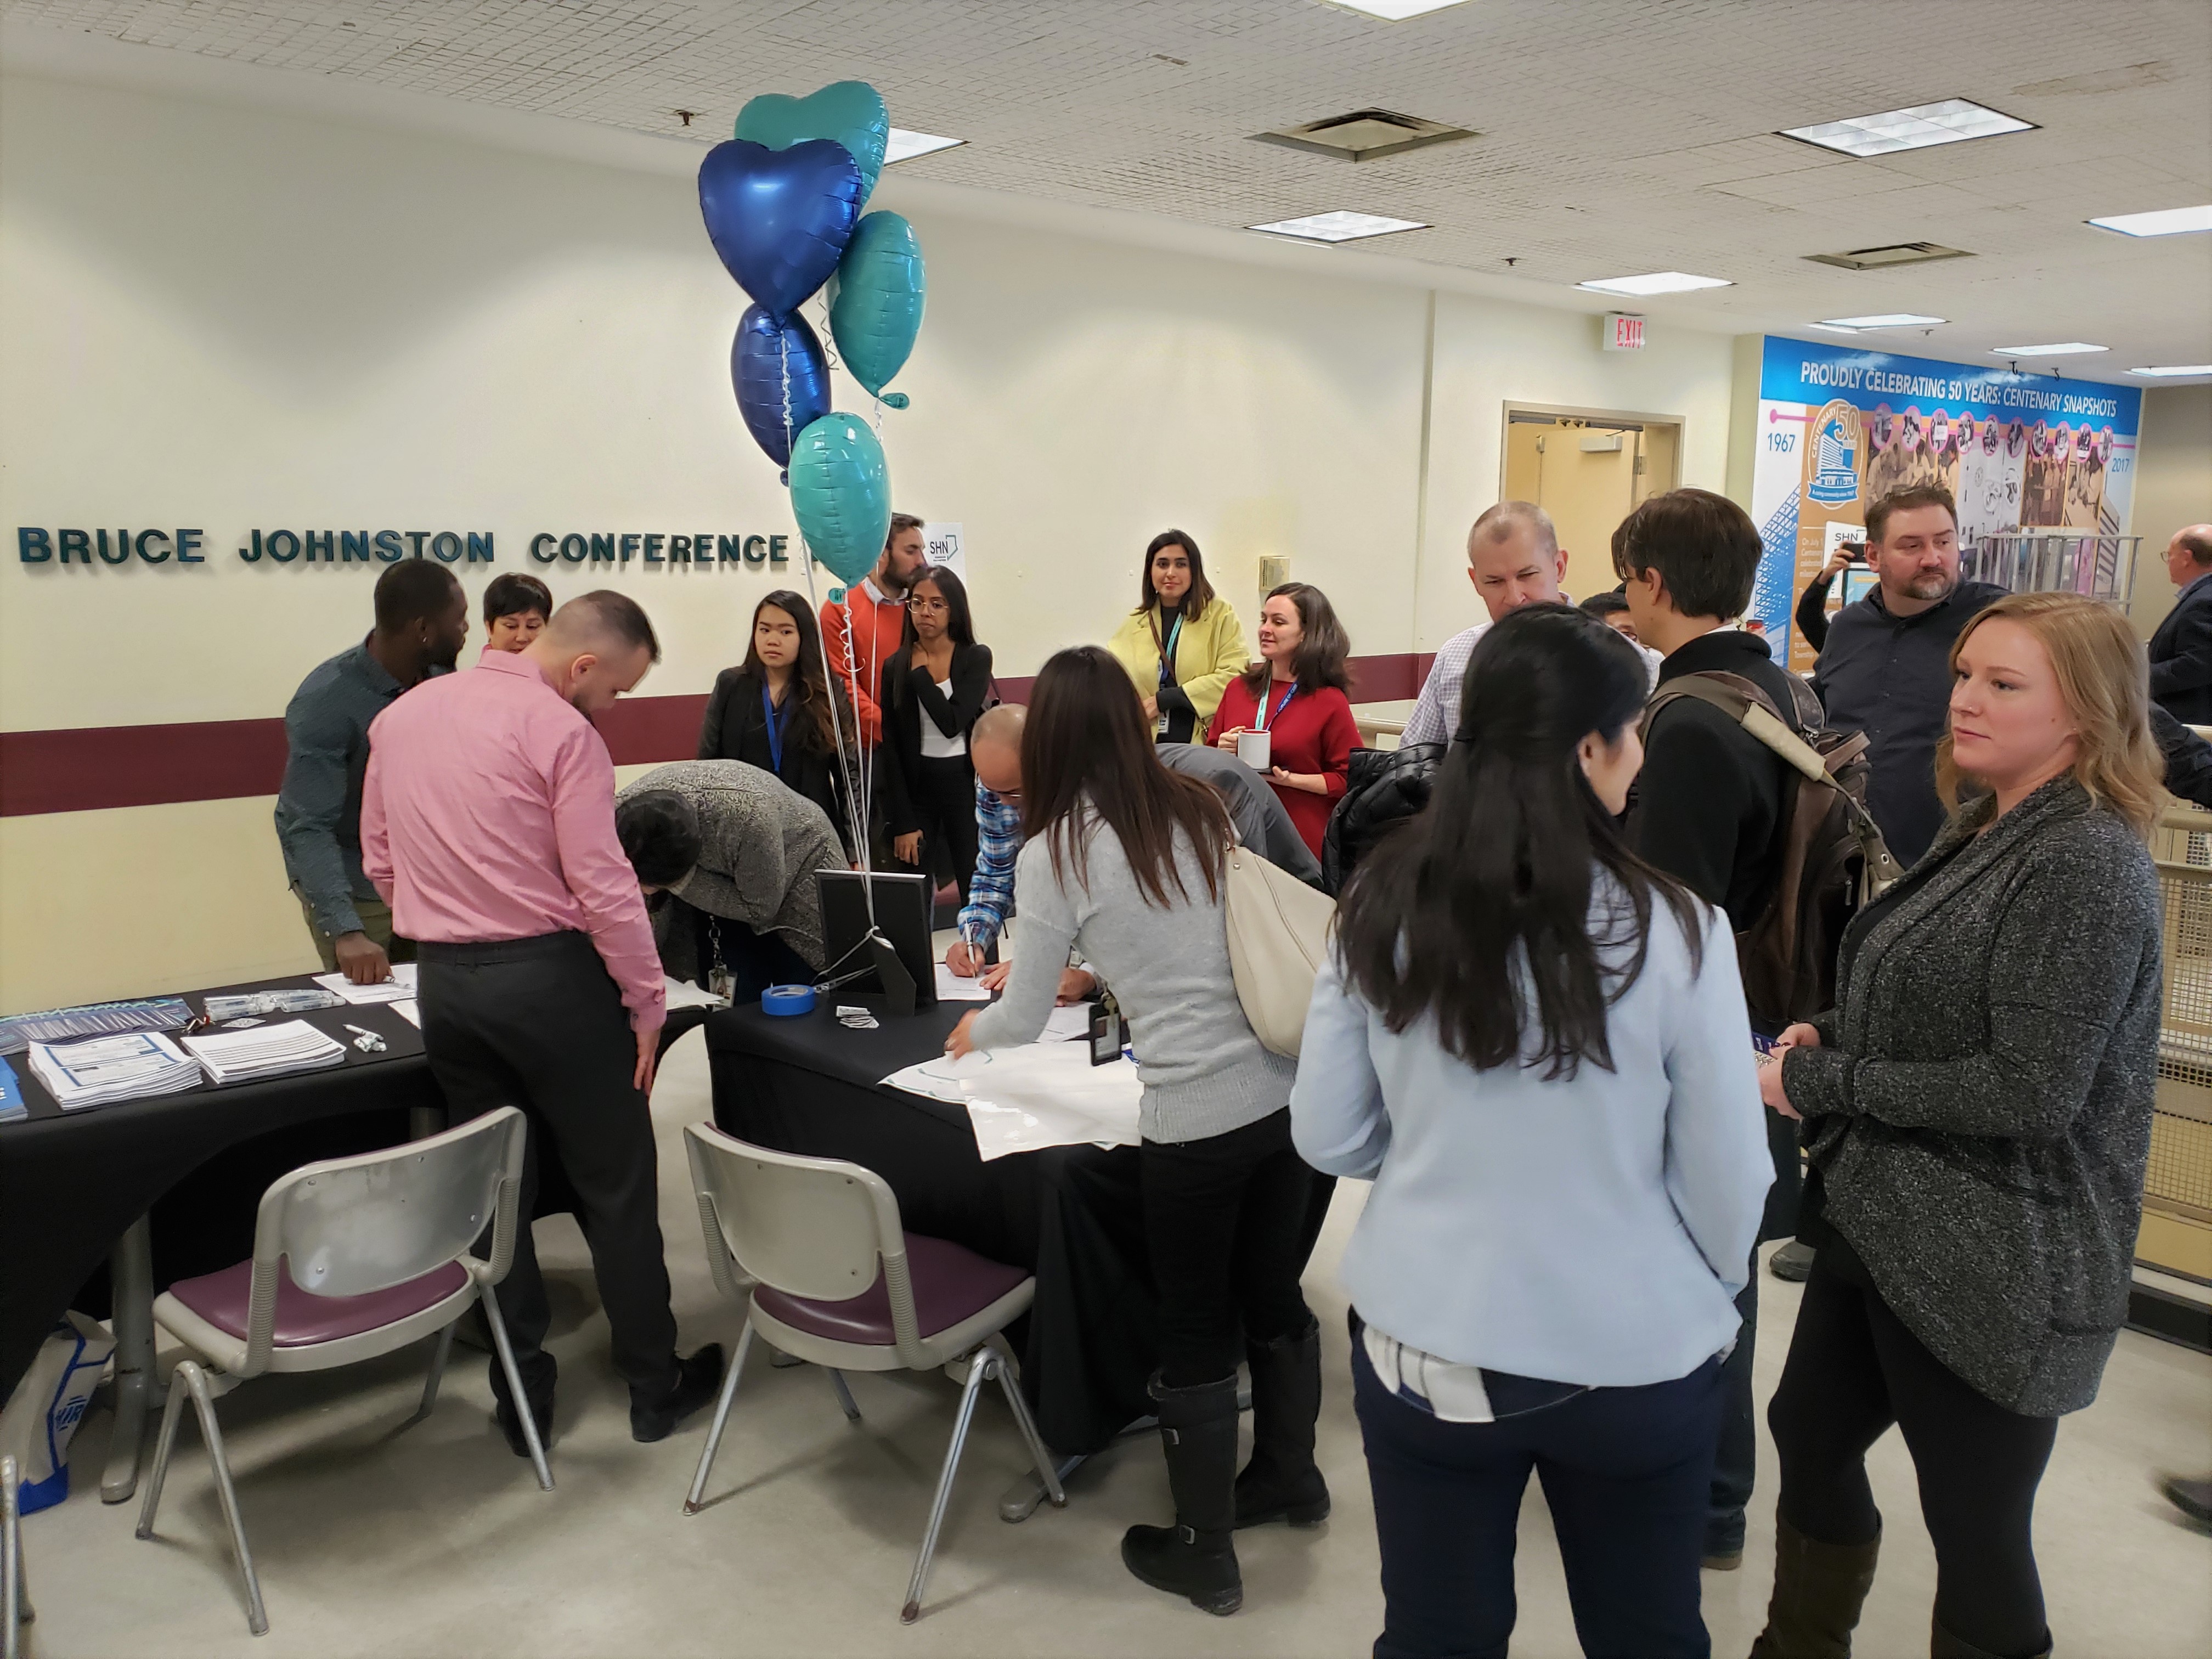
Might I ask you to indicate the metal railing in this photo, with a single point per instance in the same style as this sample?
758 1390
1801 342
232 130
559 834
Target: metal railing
2085 562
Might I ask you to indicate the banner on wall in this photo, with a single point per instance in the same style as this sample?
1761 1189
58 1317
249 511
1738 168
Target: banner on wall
1839 428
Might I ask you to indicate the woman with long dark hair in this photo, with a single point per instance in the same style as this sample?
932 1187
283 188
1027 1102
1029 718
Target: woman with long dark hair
1296 694
1126 860
773 710
1537 1047
933 687
1182 644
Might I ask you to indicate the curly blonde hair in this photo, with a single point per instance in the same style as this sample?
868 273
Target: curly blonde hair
2105 679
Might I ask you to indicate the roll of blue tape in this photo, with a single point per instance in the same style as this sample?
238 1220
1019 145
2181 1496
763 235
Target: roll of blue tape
786 1001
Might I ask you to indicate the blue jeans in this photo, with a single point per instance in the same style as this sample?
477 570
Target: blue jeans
1624 1472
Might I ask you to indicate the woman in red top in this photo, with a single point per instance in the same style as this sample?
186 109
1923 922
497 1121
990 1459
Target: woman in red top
1296 694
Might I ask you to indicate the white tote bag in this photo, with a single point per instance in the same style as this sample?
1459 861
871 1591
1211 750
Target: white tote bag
1278 929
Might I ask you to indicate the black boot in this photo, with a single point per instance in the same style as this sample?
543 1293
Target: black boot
1818 1590
1942 1644
1197 1556
1281 1482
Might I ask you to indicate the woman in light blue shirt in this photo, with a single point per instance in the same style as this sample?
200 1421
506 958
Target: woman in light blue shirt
1537 1047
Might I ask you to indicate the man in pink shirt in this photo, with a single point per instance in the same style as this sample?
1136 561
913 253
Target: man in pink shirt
487 824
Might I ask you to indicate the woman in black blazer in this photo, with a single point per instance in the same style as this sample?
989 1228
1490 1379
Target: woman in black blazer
773 710
933 687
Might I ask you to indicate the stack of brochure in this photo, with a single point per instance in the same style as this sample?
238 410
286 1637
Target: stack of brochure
265 1051
112 1068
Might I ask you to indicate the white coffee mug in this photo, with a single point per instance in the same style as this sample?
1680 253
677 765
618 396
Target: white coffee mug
1255 749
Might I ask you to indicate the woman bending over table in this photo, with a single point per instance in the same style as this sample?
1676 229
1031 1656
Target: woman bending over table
1126 860
1295 695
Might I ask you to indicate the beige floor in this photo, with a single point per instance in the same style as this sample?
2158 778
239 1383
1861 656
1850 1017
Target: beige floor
436 1542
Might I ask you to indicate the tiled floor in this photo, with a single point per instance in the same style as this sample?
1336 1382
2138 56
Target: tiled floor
436 1542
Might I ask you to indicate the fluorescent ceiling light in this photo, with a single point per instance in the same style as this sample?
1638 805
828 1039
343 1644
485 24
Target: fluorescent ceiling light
1338 227
2063 348
1884 319
905 146
2173 371
1656 281
1396 11
1947 123
2167 222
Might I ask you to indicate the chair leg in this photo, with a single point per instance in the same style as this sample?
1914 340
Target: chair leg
14 1591
1047 1468
844 1395
977 1372
515 1387
438 1358
722 1418
172 1413
256 1618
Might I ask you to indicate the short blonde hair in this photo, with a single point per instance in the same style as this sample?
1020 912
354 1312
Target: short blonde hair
2104 679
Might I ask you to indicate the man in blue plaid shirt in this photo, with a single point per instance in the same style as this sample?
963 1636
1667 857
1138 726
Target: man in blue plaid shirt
994 747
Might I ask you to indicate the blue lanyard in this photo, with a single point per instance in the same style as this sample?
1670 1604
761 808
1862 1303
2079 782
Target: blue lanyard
1265 718
1168 653
777 719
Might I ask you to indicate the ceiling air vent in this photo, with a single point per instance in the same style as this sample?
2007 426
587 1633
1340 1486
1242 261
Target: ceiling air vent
1365 135
1897 253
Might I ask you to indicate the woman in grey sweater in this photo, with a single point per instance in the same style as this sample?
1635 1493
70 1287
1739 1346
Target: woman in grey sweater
1126 860
1976 1110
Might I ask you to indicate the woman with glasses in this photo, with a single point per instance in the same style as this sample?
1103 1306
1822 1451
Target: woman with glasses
933 687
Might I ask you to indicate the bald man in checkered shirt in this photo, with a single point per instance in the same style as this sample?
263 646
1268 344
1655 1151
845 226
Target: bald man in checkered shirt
1513 558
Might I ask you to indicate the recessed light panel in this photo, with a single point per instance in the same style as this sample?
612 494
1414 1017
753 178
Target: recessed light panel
2173 371
1884 319
1396 11
1338 227
1951 122
2061 349
1656 281
2167 222
905 146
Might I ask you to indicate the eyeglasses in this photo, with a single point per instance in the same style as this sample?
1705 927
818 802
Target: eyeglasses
930 605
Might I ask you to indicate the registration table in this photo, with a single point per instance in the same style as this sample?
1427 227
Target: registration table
165 1188
1071 1215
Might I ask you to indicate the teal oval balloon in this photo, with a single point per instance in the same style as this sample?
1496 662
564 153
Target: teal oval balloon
848 113
841 494
876 300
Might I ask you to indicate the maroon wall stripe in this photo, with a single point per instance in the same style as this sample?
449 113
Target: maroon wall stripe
85 768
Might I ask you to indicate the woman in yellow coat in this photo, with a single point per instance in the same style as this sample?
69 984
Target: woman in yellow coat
1182 644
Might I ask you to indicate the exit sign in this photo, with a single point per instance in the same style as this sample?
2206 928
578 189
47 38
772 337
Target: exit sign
1622 332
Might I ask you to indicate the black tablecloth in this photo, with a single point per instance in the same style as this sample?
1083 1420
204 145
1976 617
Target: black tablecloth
71 1183
1072 1215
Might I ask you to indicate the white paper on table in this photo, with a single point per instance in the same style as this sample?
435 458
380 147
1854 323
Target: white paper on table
682 994
398 988
410 1011
1070 1022
1041 1094
953 987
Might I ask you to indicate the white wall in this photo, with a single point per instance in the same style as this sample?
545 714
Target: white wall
227 317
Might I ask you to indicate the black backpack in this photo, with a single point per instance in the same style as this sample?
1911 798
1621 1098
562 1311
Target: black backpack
1833 858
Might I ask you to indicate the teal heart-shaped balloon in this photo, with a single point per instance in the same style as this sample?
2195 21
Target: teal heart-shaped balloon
848 113
876 298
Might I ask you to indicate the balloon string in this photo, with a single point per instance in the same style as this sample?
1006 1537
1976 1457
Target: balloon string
855 814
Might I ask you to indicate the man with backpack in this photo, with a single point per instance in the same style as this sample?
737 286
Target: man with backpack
1712 804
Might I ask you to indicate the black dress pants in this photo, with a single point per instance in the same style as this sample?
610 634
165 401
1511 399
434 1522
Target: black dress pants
538 1023
945 801
1853 1371
1225 1225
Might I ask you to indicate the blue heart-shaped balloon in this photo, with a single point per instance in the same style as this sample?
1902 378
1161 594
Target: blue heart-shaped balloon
782 379
779 218
851 112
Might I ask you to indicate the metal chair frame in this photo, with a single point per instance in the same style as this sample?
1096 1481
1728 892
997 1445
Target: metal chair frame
350 1226
823 1229
16 1610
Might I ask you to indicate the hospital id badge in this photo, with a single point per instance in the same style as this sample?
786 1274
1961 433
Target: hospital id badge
719 983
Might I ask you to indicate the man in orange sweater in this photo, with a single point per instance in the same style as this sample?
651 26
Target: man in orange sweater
866 624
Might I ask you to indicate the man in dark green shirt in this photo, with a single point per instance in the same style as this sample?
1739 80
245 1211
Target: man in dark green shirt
422 619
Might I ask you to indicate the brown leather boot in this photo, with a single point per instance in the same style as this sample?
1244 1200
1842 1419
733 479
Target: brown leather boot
1818 1590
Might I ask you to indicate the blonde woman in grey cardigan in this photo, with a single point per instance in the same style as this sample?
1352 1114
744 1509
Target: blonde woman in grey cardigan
1976 1110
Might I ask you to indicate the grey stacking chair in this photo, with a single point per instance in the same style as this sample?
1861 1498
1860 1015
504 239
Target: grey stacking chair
841 1284
352 1258
15 1588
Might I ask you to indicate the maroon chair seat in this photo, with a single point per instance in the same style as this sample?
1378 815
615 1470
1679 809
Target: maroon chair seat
304 1318
950 1283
